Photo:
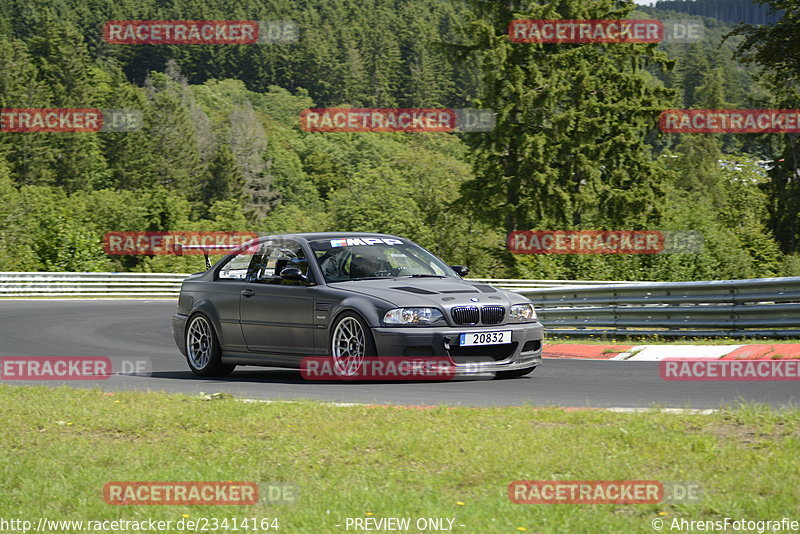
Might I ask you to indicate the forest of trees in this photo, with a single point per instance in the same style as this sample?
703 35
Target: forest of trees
576 144
736 11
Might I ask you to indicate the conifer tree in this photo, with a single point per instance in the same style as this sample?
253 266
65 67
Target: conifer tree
569 146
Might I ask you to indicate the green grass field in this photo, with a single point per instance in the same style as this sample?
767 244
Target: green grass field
60 446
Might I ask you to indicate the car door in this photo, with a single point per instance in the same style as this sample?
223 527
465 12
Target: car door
277 315
225 293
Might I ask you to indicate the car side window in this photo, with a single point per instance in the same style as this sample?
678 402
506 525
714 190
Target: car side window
238 267
274 257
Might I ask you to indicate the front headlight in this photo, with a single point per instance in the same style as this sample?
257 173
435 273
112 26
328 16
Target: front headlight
522 313
414 317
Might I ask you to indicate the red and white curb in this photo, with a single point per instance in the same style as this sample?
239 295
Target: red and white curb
655 353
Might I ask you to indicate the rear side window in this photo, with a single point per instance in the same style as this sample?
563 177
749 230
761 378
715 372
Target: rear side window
236 268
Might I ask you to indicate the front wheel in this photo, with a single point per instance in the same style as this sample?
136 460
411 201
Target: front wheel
202 349
351 342
516 373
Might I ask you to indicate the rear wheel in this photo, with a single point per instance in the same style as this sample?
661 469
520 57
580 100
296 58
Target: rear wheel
516 373
351 342
203 352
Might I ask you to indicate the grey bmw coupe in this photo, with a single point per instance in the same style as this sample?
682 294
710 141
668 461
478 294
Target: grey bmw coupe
349 296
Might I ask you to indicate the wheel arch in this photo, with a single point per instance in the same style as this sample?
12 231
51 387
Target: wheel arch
335 319
365 307
204 307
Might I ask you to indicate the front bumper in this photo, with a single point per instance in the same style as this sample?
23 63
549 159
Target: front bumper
524 351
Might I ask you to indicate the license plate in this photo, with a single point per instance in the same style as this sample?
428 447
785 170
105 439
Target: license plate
470 339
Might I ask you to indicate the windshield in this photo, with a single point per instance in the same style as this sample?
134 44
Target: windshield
360 258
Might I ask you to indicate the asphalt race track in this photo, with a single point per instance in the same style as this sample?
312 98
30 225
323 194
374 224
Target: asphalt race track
141 329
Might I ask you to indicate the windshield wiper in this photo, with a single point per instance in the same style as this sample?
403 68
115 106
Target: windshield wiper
427 276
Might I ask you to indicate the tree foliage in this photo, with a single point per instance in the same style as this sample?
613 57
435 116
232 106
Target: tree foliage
576 143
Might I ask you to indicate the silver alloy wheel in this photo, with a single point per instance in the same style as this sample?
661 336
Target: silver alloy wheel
348 346
199 343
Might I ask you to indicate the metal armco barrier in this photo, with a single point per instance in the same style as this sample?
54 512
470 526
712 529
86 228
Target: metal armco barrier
515 285
113 285
34 284
767 307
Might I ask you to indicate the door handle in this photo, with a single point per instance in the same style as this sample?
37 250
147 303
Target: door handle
248 293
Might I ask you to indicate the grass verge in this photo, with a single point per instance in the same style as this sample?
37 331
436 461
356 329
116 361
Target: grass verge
60 446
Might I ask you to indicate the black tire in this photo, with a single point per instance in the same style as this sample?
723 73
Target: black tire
349 365
203 353
505 375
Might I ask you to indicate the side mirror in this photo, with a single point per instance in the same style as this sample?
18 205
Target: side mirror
461 270
293 273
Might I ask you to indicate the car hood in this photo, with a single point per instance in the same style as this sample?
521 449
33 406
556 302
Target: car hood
439 292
